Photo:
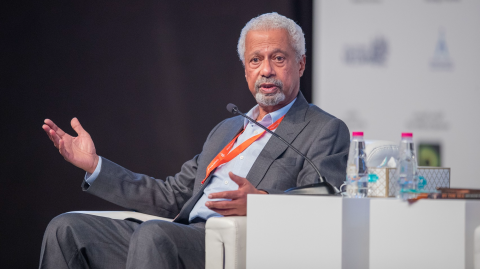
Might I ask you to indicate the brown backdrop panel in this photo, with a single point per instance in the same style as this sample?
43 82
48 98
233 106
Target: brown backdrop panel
147 79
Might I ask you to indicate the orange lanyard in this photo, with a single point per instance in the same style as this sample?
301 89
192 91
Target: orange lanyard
225 155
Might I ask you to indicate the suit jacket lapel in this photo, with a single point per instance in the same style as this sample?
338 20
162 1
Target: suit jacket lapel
229 136
231 133
238 126
289 128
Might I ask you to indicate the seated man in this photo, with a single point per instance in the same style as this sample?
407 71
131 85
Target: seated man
238 158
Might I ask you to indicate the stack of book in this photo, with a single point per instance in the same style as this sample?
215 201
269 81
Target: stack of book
449 193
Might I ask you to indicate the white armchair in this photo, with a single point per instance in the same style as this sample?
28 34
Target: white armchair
226 243
225 238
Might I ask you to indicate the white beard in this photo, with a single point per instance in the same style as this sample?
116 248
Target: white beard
269 100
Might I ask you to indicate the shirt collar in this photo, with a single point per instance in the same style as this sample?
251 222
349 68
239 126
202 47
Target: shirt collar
270 117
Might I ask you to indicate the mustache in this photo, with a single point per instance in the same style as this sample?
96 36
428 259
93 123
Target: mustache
273 81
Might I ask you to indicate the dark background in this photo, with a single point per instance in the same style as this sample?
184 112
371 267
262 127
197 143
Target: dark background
147 79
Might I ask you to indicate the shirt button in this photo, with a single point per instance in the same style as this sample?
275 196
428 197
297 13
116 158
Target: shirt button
241 157
226 182
256 132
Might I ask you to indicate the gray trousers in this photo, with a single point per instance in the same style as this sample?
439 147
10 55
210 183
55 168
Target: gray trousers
75 240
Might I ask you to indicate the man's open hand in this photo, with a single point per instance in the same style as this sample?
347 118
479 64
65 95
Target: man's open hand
80 150
238 204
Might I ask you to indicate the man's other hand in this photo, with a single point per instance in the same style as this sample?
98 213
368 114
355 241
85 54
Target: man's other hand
238 204
80 150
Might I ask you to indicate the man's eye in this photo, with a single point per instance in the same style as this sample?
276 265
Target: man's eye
279 58
255 60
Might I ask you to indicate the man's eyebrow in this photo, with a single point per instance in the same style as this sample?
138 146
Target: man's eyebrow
257 52
279 50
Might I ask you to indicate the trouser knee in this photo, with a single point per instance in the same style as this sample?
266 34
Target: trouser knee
154 231
60 226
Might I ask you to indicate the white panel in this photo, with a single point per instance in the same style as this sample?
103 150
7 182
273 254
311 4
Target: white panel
294 232
377 66
355 236
426 234
472 223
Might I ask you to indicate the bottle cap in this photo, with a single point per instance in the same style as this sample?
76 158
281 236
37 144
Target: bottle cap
407 135
357 133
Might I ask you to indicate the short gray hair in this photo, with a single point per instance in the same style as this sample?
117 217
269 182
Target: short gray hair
270 21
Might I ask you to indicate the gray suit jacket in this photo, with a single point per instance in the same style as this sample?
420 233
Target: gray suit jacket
317 134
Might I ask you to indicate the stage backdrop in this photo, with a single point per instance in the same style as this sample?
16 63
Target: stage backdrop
387 67
147 79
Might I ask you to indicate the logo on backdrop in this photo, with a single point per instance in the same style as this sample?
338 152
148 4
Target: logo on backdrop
429 154
428 120
374 53
441 57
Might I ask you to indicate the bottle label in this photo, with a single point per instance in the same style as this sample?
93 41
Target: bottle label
352 170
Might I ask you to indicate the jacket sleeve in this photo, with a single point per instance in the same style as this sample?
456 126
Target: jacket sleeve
329 152
143 193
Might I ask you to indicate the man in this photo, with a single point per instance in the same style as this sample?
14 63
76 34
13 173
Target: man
238 158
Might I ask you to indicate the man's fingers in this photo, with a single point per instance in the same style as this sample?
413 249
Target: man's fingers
225 208
54 127
225 195
55 138
61 149
227 212
237 179
77 126
47 130
221 204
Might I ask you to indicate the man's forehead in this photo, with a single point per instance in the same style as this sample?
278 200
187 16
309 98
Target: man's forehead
277 37
267 33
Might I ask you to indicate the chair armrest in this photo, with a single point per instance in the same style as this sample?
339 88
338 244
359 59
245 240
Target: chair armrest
225 243
122 215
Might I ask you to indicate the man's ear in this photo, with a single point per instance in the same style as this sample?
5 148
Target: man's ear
302 64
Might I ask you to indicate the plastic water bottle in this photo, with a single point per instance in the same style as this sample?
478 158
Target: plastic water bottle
406 174
357 174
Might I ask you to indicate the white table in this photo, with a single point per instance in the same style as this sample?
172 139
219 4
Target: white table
306 232
331 232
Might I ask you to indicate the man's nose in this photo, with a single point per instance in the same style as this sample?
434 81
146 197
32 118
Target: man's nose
267 69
